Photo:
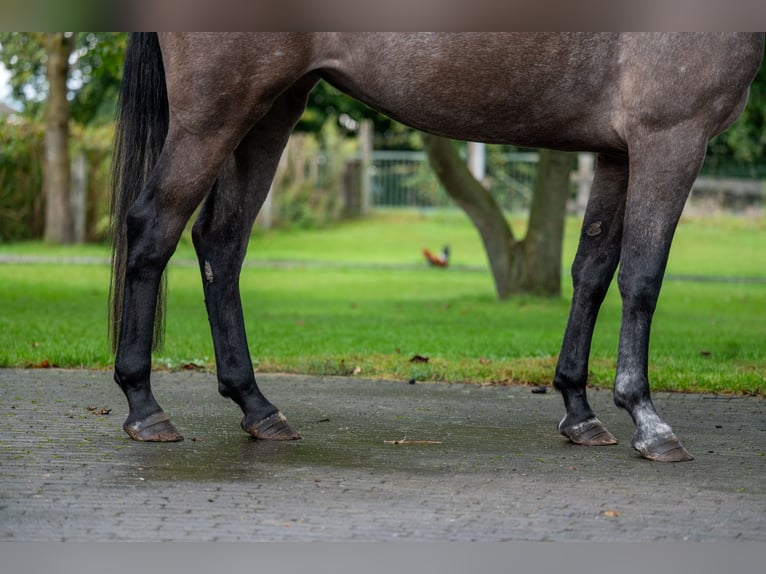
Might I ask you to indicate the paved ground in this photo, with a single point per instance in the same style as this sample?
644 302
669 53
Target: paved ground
499 471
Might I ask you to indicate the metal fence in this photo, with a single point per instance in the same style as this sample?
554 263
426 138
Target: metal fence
405 179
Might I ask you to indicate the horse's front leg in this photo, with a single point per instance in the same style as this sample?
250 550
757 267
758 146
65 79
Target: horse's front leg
221 235
592 271
656 198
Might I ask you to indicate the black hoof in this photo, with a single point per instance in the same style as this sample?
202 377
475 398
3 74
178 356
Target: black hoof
663 449
154 428
273 427
589 433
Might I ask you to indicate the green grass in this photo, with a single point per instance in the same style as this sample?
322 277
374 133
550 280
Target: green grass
342 319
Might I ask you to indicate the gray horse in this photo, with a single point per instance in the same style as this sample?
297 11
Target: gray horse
206 116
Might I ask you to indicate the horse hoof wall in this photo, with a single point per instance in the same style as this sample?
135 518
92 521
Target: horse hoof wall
589 433
667 449
273 427
154 428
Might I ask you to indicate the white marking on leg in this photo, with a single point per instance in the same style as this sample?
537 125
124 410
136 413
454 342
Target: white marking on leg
650 428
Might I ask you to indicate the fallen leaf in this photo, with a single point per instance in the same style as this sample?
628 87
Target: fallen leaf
419 359
192 367
612 513
99 411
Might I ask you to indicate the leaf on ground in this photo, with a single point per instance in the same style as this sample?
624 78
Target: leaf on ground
419 359
192 366
612 513
99 411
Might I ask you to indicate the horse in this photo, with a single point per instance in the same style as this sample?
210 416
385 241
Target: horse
203 119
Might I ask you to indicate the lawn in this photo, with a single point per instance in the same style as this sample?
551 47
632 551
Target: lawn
363 304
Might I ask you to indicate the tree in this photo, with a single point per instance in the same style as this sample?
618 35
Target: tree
741 150
327 103
59 75
59 226
531 265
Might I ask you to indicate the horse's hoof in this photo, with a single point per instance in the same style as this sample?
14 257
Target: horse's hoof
589 433
154 428
663 449
273 427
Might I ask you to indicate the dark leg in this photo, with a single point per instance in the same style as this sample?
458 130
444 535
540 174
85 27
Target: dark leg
221 235
656 198
184 174
597 257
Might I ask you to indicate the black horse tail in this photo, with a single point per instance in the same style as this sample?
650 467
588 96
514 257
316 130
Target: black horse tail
140 132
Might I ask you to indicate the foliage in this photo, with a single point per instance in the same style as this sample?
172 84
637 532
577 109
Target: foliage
96 68
95 143
21 177
327 104
741 150
306 188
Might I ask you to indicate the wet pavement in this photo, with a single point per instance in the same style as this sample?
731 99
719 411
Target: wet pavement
477 463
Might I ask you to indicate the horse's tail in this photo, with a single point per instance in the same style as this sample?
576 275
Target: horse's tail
140 132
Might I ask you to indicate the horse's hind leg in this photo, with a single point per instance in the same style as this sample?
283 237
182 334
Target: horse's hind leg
183 175
656 198
220 236
594 265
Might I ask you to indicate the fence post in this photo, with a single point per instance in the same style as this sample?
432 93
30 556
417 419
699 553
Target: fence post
78 198
265 217
477 160
365 149
584 178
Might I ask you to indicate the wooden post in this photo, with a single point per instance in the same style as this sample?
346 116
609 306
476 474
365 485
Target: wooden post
477 160
265 217
584 178
78 197
365 149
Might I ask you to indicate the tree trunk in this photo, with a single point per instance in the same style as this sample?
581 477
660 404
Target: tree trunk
58 211
478 203
532 265
538 270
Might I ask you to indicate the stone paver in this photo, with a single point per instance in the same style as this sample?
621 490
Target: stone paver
491 466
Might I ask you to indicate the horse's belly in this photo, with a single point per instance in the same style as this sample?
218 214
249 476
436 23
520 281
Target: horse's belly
497 88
